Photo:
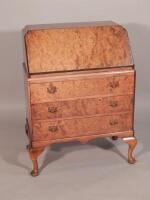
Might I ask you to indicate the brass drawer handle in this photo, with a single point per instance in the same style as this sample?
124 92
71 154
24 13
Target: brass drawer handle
51 89
113 122
114 84
53 128
114 104
52 109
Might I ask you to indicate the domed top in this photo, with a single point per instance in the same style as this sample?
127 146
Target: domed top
76 46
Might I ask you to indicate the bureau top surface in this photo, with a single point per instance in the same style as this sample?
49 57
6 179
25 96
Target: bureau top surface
76 46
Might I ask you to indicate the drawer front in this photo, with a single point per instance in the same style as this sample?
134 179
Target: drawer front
98 85
59 129
82 107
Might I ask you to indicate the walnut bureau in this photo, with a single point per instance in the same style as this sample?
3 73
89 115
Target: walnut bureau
80 85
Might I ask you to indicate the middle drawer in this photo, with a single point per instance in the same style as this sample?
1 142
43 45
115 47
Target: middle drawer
82 107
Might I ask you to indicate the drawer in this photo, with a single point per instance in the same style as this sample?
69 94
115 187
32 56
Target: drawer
98 84
82 107
67 128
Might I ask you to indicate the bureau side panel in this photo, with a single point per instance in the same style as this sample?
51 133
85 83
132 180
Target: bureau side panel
28 109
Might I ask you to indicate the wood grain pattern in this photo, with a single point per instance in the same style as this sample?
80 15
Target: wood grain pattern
132 142
80 85
74 48
44 143
57 129
34 153
28 123
37 78
75 87
82 107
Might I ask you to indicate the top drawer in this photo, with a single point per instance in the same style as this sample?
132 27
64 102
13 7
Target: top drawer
71 87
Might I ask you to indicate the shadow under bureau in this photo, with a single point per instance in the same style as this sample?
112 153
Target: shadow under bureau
80 85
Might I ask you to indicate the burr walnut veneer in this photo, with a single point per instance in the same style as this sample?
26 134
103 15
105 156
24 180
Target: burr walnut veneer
80 85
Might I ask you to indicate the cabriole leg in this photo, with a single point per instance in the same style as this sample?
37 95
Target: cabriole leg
34 153
132 142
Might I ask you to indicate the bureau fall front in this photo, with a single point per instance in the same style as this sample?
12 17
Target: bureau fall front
80 85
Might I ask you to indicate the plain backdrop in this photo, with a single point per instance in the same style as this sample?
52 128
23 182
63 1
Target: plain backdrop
97 170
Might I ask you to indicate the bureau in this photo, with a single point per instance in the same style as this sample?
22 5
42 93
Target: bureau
79 83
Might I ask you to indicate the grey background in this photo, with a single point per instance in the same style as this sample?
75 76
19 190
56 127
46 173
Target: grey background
99 169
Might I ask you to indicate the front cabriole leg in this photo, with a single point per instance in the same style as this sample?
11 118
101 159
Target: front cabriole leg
132 142
34 153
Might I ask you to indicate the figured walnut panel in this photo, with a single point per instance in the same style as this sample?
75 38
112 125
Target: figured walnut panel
59 129
82 107
83 139
74 48
95 85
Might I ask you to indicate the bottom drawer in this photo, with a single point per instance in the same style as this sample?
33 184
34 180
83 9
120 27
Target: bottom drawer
68 128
